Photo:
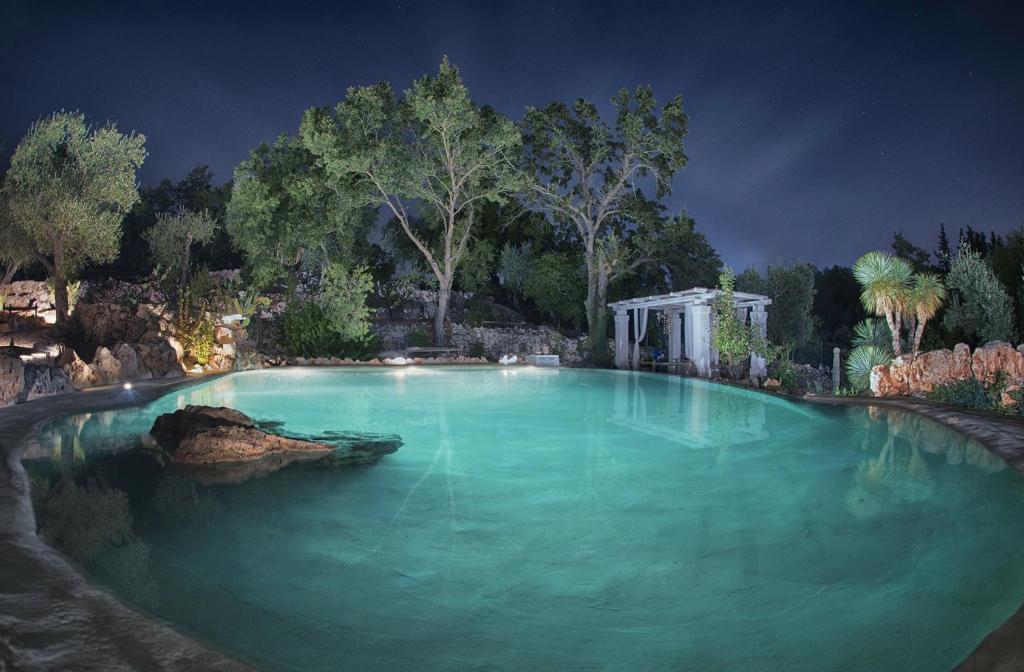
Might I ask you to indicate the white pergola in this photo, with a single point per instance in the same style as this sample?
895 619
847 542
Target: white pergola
689 326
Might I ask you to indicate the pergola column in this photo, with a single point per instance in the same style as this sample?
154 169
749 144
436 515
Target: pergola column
698 337
759 319
621 339
675 335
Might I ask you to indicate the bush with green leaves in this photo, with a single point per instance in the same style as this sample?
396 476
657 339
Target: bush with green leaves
980 308
307 330
419 338
343 293
733 339
194 327
557 286
860 362
971 393
476 349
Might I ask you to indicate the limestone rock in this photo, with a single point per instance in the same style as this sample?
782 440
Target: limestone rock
43 379
131 366
772 384
77 371
106 369
12 379
997 356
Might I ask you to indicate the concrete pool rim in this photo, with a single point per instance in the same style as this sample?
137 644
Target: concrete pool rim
114 636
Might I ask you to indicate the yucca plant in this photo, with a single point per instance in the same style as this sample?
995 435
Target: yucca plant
926 298
872 331
886 284
861 361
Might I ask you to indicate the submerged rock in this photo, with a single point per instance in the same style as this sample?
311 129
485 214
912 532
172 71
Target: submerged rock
222 445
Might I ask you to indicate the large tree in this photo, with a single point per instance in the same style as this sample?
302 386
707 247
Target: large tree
282 210
583 170
16 251
791 288
431 157
68 189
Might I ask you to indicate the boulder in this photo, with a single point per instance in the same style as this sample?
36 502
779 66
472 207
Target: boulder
12 379
131 368
995 357
162 356
77 371
106 369
210 435
43 379
226 439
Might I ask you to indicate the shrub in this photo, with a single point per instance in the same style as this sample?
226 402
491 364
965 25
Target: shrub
193 325
783 371
970 393
477 350
419 338
306 330
861 361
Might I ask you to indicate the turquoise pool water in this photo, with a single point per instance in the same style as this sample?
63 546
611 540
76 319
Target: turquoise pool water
555 520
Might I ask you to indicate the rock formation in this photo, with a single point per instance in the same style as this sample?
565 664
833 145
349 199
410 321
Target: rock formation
222 444
918 376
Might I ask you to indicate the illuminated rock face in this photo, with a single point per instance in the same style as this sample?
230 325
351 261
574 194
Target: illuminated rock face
918 376
12 379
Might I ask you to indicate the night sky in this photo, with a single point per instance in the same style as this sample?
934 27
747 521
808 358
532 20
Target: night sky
816 131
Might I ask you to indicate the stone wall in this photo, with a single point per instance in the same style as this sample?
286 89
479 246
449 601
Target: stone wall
918 376
496 341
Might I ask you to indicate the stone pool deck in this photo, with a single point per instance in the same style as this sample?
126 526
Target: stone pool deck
52 618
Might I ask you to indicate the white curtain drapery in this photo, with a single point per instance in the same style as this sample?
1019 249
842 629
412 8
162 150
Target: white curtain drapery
639 332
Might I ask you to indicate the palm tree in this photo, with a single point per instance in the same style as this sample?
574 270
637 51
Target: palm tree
885 283
925 300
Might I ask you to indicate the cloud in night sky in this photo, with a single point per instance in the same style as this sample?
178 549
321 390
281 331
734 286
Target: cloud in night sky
816 130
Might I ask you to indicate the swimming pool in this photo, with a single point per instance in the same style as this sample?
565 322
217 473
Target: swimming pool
552 519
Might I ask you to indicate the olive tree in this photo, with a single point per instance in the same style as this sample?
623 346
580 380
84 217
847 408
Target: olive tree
172 236
430 157
583 170
68 189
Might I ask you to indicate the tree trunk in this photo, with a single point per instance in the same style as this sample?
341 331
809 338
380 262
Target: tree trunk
60 298
918 333
9 273
894 330
443 292
185 262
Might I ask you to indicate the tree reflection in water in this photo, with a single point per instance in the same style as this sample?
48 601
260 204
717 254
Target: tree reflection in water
898 474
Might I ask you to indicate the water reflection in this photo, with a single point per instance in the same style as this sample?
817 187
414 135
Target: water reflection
691 413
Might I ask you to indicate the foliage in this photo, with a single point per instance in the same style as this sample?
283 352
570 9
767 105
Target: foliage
917 257
476 349
980 308
862 359
514 267
971 393
871 331
557 286
583 171
733 339
68 189
193 324
418 338
791 288
306 330
432 157
282 207
925 300
171 238
17 250
886 283
478 265
343 297
783 371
